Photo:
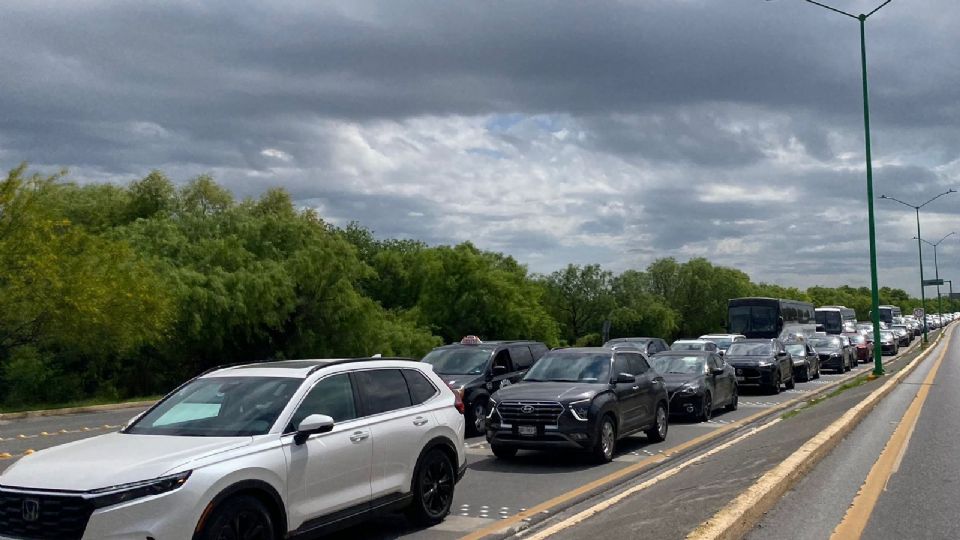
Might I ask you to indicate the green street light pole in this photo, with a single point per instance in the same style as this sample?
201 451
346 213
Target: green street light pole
874 287
936 267
950 298
923 297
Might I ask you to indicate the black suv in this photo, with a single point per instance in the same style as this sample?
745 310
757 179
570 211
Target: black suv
762 362
475 369
583 398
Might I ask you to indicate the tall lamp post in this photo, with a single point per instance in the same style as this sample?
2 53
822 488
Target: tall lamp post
951 294
923 298
937 270
874 287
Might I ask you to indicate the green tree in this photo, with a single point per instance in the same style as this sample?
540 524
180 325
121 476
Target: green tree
579 298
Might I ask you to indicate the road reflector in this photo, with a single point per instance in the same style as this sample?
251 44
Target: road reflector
29 451
5 455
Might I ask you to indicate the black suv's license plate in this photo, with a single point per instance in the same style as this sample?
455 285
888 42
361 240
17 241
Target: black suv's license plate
527 431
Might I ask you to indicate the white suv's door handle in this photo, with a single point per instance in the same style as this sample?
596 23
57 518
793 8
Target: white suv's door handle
419 421
636 387
358 436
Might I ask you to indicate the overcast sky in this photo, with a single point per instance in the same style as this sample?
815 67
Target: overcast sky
567 131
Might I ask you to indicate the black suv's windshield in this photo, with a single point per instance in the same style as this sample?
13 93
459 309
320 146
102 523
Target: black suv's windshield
796 349
679 364
459 361
826 343
571 367
750 349
220 407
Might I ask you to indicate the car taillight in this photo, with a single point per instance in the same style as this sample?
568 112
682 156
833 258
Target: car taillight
458 400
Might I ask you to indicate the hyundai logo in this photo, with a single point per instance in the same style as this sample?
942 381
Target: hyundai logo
31 509
526 409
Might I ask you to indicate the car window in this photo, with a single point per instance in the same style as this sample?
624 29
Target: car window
620 365
521 356
332 396
382 390
503 360
538 350
420 388
636 365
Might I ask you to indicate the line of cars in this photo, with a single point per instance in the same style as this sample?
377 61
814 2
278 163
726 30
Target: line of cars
283 449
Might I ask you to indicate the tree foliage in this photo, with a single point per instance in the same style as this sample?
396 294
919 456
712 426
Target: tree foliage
121 290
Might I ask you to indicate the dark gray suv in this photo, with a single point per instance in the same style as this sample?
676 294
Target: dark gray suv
583 398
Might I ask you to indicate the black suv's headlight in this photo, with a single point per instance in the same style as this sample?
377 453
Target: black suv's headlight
580 409
689 389
112 495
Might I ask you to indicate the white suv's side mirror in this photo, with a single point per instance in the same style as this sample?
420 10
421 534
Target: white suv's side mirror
315 423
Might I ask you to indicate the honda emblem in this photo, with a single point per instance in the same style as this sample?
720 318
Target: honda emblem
31 510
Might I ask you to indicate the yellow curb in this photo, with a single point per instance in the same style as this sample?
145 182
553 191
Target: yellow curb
29 451
740 516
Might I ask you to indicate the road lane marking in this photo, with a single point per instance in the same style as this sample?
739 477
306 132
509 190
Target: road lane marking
857 516
611 501
546 506
737 518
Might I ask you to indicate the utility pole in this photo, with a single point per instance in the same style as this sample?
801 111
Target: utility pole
874 287
923 296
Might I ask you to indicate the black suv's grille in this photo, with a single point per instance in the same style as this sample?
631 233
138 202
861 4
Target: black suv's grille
536 412
43 516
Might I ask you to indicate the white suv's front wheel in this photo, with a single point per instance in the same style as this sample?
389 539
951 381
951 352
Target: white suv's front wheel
239 518
432 488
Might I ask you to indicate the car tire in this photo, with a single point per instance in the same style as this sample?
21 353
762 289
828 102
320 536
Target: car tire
503 452
242 516
658 433
775 387
792 383
433 486
606 440
734 401
476 414
706 407
805 374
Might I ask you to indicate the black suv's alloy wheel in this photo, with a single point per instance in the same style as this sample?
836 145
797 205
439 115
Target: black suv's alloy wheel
606 440
658 432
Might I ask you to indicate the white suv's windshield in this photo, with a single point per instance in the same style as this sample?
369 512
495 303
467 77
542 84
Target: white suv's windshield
220 407
571 367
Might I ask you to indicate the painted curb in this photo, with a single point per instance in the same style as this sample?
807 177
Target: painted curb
741 515
76 410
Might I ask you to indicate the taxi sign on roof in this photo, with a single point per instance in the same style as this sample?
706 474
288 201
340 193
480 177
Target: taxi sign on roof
470 340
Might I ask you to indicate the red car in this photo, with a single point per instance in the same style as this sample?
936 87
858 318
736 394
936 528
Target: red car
864 346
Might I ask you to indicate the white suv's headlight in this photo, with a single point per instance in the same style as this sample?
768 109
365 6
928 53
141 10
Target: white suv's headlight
580 409
112 495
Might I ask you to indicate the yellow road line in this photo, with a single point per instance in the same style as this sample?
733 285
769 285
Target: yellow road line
857 516
739 516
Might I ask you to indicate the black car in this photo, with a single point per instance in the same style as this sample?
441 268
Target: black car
475 369
764 363
806 361
584 399
698 382
836 352
648 345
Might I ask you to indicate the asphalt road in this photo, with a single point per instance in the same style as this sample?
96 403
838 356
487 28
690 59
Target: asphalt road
919 499
491 490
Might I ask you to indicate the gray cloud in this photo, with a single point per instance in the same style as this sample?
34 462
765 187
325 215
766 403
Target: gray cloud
609 131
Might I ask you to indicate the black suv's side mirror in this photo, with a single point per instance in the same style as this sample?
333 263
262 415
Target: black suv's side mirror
626 378
499 370
311 425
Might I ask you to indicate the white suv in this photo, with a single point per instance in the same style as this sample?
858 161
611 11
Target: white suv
259 451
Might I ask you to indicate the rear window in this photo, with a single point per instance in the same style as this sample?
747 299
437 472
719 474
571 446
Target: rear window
383 390
420 388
